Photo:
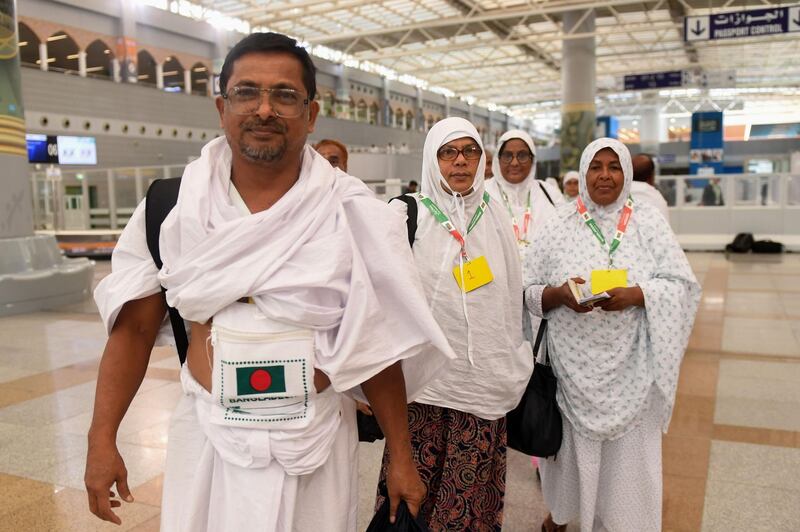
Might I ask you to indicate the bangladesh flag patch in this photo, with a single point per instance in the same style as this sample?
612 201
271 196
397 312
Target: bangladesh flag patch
260 379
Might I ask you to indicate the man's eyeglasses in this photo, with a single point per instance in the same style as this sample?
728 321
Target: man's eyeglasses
449 153
285 103
522 157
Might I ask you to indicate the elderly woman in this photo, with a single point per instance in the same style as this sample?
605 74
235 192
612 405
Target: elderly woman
617 363
529 202
457 425
571 180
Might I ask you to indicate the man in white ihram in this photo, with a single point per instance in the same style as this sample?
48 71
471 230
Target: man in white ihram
298 285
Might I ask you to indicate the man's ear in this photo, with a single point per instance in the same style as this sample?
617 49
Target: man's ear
313 112
219 101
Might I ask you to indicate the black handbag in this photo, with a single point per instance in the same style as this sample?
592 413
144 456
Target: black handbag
535 425
404 521
368 428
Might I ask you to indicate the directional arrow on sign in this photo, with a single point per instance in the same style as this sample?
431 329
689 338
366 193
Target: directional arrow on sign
696 28
794 19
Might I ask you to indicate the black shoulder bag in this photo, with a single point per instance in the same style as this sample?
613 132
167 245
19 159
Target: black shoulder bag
161 198
535 425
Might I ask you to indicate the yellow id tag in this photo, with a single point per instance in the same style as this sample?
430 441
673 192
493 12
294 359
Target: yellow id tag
603 280
476 274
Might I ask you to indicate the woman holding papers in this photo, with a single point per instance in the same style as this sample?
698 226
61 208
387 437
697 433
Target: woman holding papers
617 363
457 424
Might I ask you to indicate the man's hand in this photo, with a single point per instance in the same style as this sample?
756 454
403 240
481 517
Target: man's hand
622 298
122 370
104 468
364 408
403 483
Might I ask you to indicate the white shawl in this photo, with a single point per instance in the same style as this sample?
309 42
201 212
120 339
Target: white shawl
327 256
484 326
607 362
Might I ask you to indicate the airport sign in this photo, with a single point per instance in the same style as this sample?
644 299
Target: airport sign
740 24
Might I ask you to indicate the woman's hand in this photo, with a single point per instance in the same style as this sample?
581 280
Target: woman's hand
556 296
622 298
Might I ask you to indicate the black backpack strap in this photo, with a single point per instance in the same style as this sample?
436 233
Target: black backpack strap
411 217
547 195
161 198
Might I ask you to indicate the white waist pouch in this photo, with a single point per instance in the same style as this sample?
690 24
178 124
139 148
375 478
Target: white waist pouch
263 371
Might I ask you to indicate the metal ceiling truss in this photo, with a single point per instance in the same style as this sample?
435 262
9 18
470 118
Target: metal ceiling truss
514 49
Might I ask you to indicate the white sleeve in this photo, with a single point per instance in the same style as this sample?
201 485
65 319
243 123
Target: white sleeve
133 273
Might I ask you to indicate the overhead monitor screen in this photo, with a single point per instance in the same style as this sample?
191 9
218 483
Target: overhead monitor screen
77 150
41 148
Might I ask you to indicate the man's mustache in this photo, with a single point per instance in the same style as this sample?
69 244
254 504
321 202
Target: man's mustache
270 124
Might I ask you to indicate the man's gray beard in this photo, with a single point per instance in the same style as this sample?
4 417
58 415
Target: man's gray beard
264 155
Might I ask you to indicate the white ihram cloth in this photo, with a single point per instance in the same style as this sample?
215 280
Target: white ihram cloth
327 256
216 464
617 371
517 193
646 193
483 326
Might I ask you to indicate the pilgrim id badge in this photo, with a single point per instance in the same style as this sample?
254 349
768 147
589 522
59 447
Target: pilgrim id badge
476 274
603 280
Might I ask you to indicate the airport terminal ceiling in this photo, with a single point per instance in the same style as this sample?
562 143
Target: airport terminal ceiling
508 53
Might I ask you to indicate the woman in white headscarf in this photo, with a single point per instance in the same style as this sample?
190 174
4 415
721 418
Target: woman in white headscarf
571 186
457 424
529 202
617 364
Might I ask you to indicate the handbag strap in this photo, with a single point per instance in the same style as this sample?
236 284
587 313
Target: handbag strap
538 342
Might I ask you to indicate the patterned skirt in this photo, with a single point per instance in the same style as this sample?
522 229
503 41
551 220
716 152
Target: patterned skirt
462 461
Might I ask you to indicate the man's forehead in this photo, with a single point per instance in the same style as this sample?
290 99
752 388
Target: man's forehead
277 67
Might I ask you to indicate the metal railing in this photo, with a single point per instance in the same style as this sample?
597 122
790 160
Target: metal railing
104 199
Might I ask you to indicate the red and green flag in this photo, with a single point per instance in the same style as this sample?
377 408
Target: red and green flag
260 379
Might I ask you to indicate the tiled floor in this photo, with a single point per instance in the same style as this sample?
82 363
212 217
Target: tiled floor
731 457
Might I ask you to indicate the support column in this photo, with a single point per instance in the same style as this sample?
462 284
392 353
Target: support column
342 105
577 89
650 129
159 76
138 184
43 65
116 70
126 42
446 106
221 47
54 282
471 113
386 106
82 64
419 124
187 81
112 198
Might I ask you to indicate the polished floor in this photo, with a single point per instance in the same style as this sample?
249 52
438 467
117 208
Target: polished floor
731 457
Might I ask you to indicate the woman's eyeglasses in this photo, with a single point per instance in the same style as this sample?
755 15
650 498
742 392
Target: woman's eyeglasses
522 157
470 153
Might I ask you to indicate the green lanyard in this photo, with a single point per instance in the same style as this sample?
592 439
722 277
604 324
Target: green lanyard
622 225
522 236
445 222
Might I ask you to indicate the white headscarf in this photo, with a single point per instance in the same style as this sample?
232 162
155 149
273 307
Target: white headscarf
572 175
483 326
454 205
517 193
627 169
515 189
